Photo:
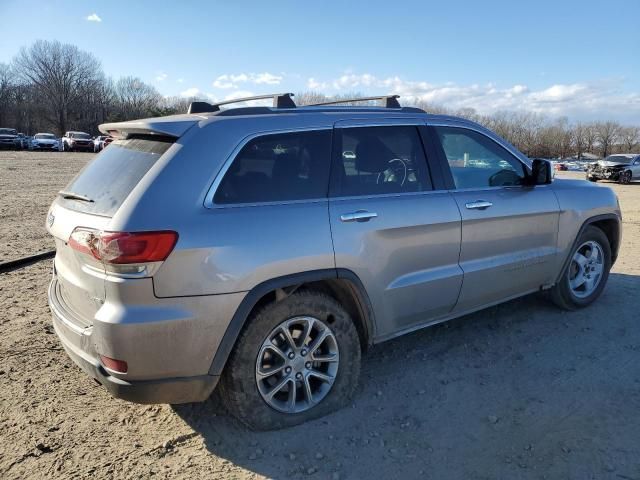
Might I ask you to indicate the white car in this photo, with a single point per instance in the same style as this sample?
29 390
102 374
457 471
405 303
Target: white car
44 141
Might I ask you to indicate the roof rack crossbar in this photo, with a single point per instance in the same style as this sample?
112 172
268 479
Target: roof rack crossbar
280 100
389 101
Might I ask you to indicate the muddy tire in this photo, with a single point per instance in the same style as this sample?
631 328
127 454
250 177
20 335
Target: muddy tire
586 274
274 379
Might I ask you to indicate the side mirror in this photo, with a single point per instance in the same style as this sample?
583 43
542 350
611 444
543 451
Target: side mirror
541 172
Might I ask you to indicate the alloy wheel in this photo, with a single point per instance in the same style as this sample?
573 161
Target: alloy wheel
586 269
297 364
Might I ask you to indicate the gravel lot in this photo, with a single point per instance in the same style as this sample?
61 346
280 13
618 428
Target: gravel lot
29 181
521 390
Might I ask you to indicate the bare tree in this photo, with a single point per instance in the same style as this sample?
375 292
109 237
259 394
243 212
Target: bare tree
62 74
607 134
7 84
629 136
135 99
590 136
309 98
579 140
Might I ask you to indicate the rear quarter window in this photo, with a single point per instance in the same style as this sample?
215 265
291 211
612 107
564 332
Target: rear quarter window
113 174
277 168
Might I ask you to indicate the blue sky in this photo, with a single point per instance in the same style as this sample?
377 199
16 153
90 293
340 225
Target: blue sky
574 58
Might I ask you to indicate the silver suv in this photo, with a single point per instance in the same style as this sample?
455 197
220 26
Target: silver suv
262 249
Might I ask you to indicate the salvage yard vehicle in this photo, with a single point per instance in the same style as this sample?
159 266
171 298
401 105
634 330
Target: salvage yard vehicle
621 168
100 142
263 249
77 141
9 139
44 141
23 141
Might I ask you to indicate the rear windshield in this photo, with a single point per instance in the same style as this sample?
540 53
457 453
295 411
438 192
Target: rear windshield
112 175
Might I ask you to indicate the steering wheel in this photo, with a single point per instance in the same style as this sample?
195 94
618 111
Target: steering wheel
504 178
397 168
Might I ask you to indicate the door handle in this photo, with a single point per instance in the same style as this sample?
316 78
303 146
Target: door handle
359 216
478 205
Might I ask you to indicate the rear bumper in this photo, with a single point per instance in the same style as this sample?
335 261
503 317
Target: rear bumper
77 343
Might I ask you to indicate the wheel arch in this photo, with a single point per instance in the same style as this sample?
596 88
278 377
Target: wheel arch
341 284
610 224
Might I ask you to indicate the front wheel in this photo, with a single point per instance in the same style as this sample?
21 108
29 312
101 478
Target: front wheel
625 177
592 179
586 275
296 360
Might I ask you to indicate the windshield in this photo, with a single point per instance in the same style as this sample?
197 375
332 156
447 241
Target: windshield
113 174
82 136
45 136
618 159
8 131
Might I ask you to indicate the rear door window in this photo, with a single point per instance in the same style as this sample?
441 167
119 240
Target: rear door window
277 168
379 160
113 174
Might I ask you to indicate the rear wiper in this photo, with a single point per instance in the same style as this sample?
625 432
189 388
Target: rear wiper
74 196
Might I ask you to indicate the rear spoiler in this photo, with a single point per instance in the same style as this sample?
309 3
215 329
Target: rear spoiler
172 126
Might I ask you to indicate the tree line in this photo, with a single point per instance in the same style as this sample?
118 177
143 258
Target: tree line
51 86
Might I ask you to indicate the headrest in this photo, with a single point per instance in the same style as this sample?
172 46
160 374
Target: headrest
372 156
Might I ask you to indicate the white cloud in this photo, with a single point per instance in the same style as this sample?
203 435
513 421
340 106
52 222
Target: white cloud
180 80
94 18
313 84
266 78
161 77
559 93
238 94
191 92
577 100
223 81
228 81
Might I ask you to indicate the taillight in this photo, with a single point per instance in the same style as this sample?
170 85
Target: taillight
121 248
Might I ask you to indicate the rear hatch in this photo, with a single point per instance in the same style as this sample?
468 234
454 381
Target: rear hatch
79 221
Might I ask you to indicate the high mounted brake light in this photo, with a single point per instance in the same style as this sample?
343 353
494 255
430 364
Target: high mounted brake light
122 248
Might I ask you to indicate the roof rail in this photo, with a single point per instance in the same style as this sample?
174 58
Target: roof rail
389 101
280 100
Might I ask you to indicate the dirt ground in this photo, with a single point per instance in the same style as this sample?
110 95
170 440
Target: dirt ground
29 181
518 391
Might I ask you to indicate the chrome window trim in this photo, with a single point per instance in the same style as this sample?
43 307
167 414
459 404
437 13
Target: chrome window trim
388 195
488 189
211 192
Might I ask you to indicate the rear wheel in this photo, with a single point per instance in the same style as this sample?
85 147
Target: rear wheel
296 360
586 274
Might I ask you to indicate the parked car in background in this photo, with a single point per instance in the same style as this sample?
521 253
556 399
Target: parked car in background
77 141
23 140
560 166
44 141
100 142
9 139
622 168
264 248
